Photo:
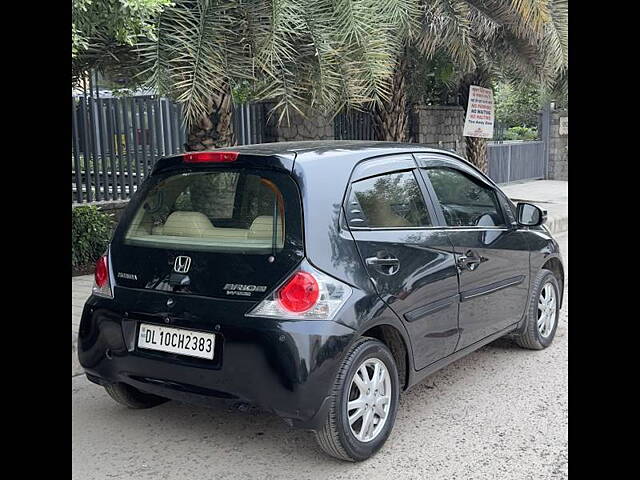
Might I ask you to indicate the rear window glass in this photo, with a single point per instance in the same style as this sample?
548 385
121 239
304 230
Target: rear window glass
392 200
217 211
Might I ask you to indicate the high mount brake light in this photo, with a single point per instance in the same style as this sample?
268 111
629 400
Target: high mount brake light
210 157
308 294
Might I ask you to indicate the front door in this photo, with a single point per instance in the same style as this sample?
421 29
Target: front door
492 255
410 260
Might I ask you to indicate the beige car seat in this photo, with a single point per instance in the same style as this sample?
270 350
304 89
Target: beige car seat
196 224
382 215
262 227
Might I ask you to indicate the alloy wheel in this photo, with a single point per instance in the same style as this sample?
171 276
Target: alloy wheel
547 304
369 399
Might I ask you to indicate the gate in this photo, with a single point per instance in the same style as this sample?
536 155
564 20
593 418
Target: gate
511 161
517 160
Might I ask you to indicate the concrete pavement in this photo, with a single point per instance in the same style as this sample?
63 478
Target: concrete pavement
80 291
550 195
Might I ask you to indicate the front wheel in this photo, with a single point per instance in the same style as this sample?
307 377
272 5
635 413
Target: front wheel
543 312
363 404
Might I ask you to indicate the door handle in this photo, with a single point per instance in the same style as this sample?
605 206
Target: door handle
384 263
470 261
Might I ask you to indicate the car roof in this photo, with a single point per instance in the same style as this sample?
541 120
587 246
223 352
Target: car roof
311 150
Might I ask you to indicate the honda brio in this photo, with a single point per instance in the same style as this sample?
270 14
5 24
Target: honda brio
315 280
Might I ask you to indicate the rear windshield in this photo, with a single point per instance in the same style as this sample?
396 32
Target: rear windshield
221 211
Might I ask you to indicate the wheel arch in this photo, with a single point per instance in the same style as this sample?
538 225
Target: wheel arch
397 344
554 265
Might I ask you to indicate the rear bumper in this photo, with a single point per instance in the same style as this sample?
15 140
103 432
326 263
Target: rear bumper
286 367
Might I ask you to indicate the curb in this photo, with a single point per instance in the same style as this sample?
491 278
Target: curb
557 224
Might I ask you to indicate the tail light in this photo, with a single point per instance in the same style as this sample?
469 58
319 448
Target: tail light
210 157
307 294
102 278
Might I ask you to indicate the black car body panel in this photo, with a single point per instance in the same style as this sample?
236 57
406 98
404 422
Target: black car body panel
284 366
289 366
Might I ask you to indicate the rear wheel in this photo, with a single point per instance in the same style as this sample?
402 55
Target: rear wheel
363 404
132 397
543 312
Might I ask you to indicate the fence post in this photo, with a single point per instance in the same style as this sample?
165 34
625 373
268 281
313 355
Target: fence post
86 149
545 127
158 125
76 150
103 149
509 164
112 142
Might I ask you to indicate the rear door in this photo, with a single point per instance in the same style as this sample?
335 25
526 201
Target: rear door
222 232
408 258
492 255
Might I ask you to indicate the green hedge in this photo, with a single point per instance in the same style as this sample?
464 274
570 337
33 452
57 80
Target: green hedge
90 234
521 133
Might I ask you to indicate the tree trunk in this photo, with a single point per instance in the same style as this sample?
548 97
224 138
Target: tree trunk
477 153
216 130
476 146
391 118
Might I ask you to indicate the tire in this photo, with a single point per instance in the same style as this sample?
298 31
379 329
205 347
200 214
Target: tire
132 397
531 336
336 437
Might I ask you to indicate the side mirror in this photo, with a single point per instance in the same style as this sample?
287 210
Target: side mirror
530 215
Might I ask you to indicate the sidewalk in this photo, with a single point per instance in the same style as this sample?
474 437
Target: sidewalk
551 195
80 291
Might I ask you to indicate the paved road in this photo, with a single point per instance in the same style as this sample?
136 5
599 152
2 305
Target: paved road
499 413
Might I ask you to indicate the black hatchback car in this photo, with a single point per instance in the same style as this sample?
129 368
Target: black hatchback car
316 280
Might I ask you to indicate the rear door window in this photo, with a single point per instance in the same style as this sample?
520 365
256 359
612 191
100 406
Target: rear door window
392 200
212 211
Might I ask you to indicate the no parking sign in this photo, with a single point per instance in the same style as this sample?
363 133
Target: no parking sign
480 113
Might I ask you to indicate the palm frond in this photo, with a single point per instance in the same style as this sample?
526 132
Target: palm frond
446 26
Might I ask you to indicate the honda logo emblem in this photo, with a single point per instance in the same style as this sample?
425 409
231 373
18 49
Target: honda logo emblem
182 264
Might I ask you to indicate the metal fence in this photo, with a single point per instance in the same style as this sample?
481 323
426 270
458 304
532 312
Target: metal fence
513 161
353 125
249 121
116 141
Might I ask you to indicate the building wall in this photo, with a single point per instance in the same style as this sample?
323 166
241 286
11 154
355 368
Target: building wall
313 126
440 126
558 147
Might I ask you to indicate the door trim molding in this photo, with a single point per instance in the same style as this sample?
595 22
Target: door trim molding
491 288
430 308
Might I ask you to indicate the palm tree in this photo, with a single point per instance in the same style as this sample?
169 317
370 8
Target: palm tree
519 40
338 54
324 54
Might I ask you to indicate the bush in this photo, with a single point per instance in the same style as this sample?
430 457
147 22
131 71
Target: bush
90 234
521 133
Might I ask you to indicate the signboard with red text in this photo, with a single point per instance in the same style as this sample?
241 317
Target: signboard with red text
480 113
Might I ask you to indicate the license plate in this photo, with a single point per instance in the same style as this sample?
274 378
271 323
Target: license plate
176 340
